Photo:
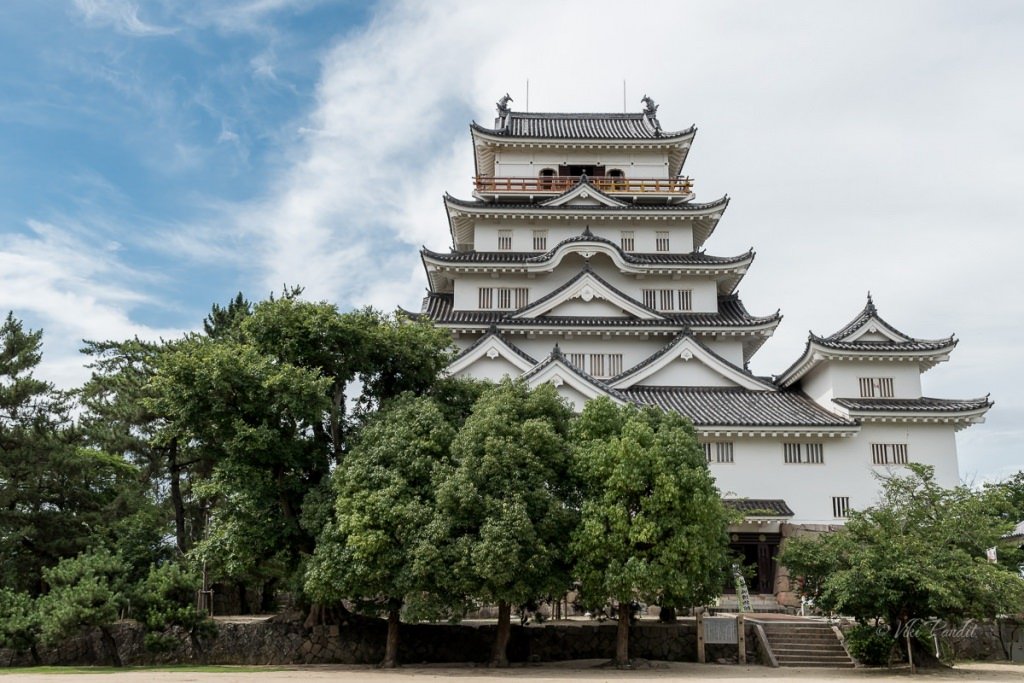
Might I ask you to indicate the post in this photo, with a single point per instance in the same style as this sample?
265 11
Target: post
910 647
741 639
700 637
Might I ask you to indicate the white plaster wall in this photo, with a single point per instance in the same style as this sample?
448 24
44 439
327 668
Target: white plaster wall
686 373
490 368
633 350
841 379
758 470
486 233
704 291
528 163
730 349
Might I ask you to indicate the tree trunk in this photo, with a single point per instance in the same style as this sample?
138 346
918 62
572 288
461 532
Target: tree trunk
111 645
174 471
391 647
499 656
622 637
243 599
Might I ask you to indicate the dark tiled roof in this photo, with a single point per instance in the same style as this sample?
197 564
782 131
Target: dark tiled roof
557 355
885 346
693 258
727 406
867 313
914 405
581 127
684 207
668 348
493 332
439 308
759 507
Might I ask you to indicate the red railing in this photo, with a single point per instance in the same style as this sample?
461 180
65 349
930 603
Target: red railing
607 184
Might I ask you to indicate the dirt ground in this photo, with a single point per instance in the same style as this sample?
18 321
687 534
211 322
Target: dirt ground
545 673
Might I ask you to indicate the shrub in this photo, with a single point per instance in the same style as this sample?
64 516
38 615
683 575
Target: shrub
871 645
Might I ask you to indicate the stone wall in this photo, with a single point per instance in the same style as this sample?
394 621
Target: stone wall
361 641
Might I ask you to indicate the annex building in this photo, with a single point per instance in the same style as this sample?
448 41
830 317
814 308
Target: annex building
581 260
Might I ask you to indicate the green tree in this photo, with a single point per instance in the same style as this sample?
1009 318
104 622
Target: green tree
507 507
378 550
166 599
87 591
251 417
919 553
57 497
118 418
653 526
19 623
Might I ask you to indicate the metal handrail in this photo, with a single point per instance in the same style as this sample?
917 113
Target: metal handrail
609 184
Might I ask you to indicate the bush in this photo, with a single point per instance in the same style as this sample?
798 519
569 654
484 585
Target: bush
871 645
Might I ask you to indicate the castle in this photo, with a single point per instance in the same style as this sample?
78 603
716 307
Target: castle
581 261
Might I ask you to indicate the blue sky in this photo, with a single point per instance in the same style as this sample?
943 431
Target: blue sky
158 156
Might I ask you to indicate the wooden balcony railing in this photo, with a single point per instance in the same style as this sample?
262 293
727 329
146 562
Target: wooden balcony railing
611 185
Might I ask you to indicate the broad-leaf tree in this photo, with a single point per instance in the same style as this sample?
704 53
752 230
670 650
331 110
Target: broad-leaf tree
508 507
378 550
653 526
919 553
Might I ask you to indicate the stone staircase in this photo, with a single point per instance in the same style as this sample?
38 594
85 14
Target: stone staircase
806 643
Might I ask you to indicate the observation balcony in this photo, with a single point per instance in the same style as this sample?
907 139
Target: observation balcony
672 190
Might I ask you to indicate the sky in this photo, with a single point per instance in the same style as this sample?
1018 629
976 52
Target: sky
159 156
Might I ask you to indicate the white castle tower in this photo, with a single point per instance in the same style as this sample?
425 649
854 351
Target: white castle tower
580 261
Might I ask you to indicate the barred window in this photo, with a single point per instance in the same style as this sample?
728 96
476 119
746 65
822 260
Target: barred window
876 387
540 240
718 451
604 365
661 240
803 453
650 298
522 296
685 300
504 297
626 240
507 298
579 360
504 240
666 299
840 507
888 454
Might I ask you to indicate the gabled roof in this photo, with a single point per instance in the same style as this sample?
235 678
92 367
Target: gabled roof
689 349
736 407
492 345
703 217
868 337
558 370
583 190
729 270
589 126
732 316
588 285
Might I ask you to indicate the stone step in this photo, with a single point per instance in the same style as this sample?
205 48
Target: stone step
803 641
806 644
789 649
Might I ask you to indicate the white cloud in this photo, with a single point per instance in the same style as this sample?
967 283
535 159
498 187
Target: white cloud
74 286
123 15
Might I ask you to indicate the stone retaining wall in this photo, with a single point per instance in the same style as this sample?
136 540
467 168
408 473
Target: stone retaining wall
361 641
